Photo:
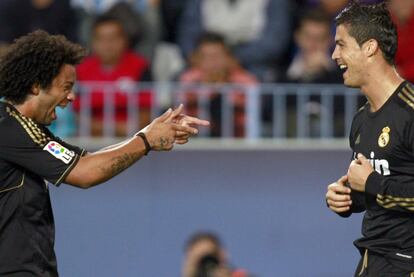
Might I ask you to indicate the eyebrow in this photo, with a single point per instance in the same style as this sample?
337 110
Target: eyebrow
338 41
66 83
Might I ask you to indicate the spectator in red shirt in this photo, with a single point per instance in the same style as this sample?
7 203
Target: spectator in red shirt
113 61
212 63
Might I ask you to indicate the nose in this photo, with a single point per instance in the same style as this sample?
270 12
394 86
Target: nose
335 53
71 96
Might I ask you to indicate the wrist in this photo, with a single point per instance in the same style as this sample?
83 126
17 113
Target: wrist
147 145
373 183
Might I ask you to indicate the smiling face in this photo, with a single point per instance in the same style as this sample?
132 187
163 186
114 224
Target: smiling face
59 94
350 57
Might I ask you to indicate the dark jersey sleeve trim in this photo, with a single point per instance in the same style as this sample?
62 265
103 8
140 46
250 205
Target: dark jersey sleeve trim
68 170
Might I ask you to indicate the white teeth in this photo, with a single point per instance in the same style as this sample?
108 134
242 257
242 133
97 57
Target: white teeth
342 66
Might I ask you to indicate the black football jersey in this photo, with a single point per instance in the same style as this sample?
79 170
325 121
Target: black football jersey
386 138
30 158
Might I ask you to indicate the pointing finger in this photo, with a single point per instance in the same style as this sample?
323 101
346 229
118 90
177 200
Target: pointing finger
195 121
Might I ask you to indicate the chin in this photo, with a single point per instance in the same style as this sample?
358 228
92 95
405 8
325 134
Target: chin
351 84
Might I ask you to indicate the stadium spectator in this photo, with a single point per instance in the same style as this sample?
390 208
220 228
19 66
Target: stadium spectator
312 62
213 64
402 12
19 17
257 31
112 60
141 20
206 256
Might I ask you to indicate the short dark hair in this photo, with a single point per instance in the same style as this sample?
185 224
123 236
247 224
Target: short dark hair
211 37
365 22
315 15
200 236
35 59
107 18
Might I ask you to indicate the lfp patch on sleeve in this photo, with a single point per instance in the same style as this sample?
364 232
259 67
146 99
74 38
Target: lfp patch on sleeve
60 152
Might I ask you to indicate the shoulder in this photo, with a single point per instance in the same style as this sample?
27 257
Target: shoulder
191 75
405 98
242 76
131 57
19 130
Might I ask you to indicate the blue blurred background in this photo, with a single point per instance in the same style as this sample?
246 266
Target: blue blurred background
268 207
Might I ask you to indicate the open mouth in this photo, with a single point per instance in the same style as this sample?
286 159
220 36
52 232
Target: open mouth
54 116
343 68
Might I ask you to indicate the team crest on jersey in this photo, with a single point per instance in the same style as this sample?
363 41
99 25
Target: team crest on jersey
384 138
59 152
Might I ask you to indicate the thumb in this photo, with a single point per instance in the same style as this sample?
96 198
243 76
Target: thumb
164 116
342 181
362 159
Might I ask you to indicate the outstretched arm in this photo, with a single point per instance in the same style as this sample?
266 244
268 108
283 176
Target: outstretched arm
100 166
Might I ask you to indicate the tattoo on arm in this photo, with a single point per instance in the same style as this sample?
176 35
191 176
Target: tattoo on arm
120 163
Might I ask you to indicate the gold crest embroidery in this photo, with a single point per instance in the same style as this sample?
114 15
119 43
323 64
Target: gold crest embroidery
384 138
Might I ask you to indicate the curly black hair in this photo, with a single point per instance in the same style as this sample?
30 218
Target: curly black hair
35 59
365 22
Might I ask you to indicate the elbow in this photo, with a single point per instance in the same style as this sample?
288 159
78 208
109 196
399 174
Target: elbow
85 182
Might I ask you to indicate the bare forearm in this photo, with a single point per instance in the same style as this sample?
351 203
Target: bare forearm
102 165
113 146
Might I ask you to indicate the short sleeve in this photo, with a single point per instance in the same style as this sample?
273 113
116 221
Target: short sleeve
35 149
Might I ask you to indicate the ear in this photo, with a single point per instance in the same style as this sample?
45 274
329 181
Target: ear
35 89
371 47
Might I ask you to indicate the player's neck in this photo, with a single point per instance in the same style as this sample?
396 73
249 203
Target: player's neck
380 86
27 109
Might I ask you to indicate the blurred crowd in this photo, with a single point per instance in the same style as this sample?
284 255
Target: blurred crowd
196 42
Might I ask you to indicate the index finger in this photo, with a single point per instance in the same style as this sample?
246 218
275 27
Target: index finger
339 189
195 121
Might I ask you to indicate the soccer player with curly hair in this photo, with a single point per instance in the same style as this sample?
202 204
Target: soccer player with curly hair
37 75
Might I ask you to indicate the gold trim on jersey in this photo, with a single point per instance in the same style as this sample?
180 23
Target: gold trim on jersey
406 100
409 87
408 92
31 128
407 95
16 187
388 201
